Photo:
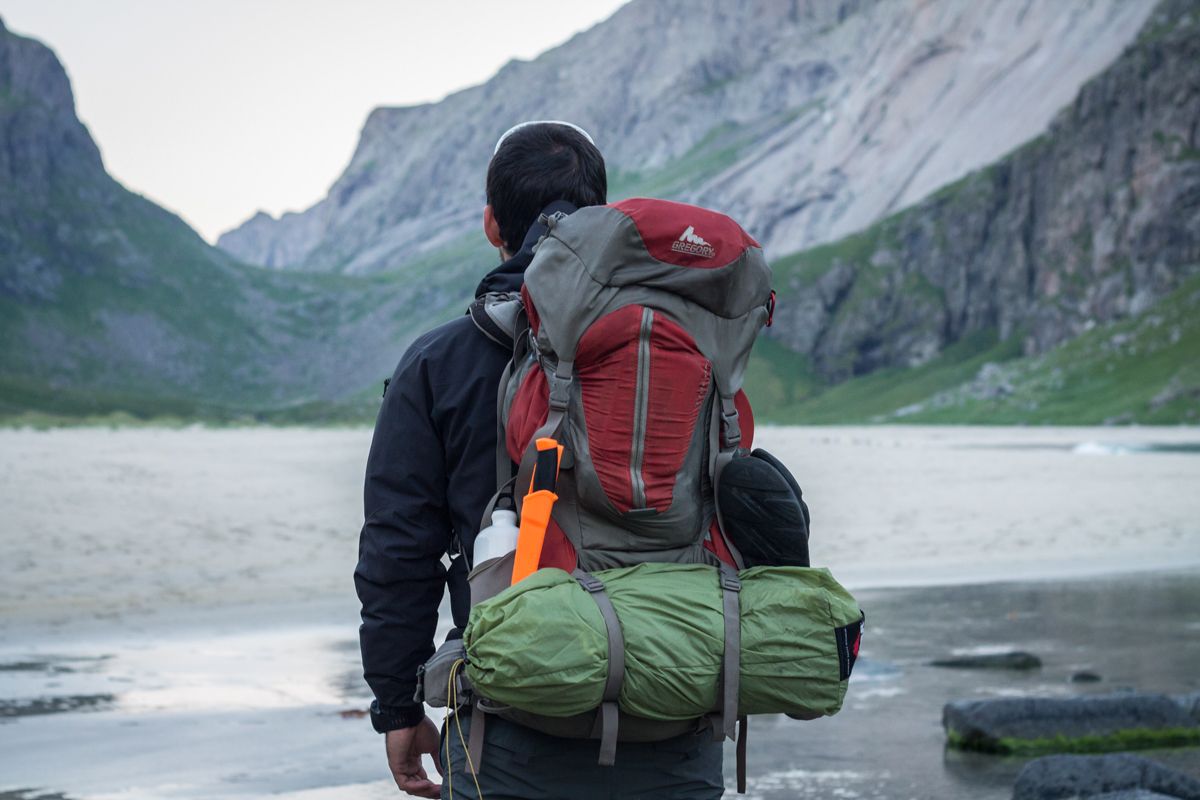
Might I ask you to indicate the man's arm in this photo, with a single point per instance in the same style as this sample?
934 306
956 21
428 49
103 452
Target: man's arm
436 430
400 578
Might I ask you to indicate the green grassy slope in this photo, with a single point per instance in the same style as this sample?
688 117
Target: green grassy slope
1145 369
221 342
870 397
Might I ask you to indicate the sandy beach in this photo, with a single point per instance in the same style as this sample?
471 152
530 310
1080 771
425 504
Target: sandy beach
104 523
177 617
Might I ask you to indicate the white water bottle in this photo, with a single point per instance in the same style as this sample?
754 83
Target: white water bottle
498 539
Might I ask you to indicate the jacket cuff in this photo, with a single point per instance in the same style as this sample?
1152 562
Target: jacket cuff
393 718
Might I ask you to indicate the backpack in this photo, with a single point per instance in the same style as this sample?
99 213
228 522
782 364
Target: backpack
630 339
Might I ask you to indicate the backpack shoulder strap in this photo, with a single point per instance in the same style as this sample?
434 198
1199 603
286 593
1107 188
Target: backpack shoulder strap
501 317
496 315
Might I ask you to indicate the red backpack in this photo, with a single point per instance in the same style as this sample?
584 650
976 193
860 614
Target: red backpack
630 342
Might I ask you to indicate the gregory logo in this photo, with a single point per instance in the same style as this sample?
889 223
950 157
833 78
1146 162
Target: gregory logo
690 242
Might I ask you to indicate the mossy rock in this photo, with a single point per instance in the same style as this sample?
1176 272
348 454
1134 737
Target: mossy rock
1091 724
1115 742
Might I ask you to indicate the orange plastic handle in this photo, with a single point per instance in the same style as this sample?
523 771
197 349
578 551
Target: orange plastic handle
546 443
535 516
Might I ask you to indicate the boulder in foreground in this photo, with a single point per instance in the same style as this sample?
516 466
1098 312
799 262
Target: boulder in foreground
1013 659
1190 703
1090 724
1111 777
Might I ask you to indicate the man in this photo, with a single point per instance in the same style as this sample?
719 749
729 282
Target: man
430 473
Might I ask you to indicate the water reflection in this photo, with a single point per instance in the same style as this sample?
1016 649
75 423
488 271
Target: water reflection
247 713
888 740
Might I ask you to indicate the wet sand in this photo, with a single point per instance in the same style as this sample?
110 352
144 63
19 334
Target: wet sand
216 708
177 617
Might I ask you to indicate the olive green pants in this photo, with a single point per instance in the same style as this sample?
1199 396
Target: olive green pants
520 763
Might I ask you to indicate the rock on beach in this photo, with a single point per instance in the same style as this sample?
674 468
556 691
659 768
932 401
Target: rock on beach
1081 724
1111 777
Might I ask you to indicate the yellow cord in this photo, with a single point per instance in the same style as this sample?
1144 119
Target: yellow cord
449 705
452 702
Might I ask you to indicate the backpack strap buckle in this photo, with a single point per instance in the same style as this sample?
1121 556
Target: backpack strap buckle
731 430
730 581
589 582
560 381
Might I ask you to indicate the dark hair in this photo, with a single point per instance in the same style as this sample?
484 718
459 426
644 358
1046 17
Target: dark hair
537 165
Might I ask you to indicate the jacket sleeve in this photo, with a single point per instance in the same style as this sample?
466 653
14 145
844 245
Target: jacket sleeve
400 577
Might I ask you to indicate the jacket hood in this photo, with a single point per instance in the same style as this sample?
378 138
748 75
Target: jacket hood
510 276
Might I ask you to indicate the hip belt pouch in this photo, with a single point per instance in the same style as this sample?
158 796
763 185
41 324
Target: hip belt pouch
433 678
541 645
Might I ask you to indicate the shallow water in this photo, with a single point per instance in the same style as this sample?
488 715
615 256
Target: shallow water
1100 448
215 709
177 618
1134 631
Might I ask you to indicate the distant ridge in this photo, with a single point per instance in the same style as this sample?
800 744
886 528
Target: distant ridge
805 120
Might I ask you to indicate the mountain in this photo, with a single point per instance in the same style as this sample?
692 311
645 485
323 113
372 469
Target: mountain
807 120
1067 246
96 281
108 302
1057 282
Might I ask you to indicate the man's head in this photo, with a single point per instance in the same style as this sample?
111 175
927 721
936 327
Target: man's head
533 166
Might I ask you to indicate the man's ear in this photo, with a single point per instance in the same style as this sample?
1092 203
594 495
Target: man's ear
491 228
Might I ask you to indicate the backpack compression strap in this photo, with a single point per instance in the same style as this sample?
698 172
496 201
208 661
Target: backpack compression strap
606 719
731 587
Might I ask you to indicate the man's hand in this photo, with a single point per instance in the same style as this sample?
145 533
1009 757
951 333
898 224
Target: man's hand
404 750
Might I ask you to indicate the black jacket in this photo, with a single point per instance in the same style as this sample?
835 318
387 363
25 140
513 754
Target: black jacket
431 471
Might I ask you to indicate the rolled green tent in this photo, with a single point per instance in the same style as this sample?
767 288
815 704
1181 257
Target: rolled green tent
541 645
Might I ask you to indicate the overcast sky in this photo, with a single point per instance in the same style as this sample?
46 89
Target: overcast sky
218 108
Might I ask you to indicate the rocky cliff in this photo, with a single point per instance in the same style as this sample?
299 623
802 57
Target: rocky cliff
109 302
805 119
1093 221
76 249
45 147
